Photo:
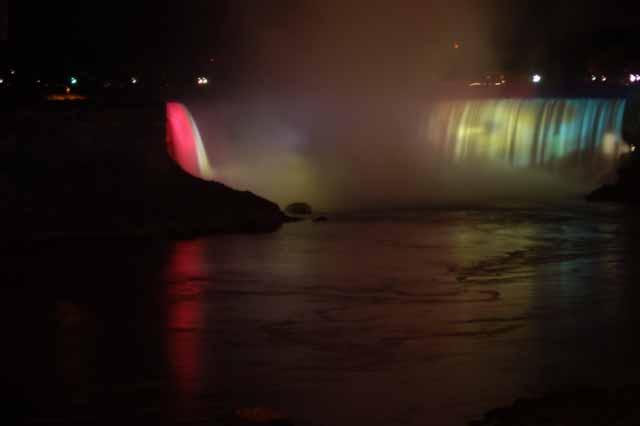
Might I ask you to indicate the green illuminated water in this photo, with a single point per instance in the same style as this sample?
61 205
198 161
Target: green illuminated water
530 132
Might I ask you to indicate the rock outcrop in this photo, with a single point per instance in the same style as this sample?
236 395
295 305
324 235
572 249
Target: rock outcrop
585 407
299 209
79 169
625 189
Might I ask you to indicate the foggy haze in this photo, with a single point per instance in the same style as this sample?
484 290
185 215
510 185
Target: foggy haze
335 101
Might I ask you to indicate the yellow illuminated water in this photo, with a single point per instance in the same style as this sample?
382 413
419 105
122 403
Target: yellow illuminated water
529 132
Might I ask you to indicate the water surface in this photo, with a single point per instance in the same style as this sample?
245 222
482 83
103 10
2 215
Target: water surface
402 317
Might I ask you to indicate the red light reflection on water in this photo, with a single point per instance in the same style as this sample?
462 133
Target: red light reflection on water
185 316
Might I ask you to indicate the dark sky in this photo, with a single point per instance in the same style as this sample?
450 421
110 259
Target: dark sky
105 33
184 34
4 20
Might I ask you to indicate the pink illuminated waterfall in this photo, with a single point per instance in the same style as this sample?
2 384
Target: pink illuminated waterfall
184 142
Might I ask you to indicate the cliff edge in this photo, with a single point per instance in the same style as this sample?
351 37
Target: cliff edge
625 189
81 169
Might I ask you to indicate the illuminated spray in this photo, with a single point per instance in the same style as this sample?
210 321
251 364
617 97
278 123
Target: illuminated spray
356 102
514 148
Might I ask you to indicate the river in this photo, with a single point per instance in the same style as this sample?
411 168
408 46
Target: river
397 317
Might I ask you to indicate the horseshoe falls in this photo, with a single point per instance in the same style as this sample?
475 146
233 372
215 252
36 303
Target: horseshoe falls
393 152
529 133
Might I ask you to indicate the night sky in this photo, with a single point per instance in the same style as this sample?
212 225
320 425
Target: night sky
244 35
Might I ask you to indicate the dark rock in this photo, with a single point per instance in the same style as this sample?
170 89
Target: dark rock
92 170
301 209
625 189
585 407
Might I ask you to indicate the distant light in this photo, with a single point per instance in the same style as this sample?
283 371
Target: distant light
633 148
37 81
536 78
1 80
632 78
593 77
202 81
12 72
456 45
67 90
67 97
134 80
211 59
73 81
475 83
603 78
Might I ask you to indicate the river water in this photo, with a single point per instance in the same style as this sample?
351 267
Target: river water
398 317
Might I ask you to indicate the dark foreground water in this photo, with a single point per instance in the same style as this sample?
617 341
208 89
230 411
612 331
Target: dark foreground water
397 318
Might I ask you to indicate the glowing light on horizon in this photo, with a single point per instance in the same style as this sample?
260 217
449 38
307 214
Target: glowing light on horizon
202 81
66 97
73 81
536 78
184 142
134 80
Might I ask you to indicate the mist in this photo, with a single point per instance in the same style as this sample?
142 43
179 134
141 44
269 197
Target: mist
334 97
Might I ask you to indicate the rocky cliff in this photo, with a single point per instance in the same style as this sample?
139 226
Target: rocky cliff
90 169
625 188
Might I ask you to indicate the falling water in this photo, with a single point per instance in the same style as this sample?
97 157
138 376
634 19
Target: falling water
362 154
184 142
549 133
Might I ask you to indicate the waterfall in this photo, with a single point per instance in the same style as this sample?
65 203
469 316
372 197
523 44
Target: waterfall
184 142
526 133
362 153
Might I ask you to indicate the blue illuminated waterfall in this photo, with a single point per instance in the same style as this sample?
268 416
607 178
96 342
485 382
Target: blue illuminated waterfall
549 133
